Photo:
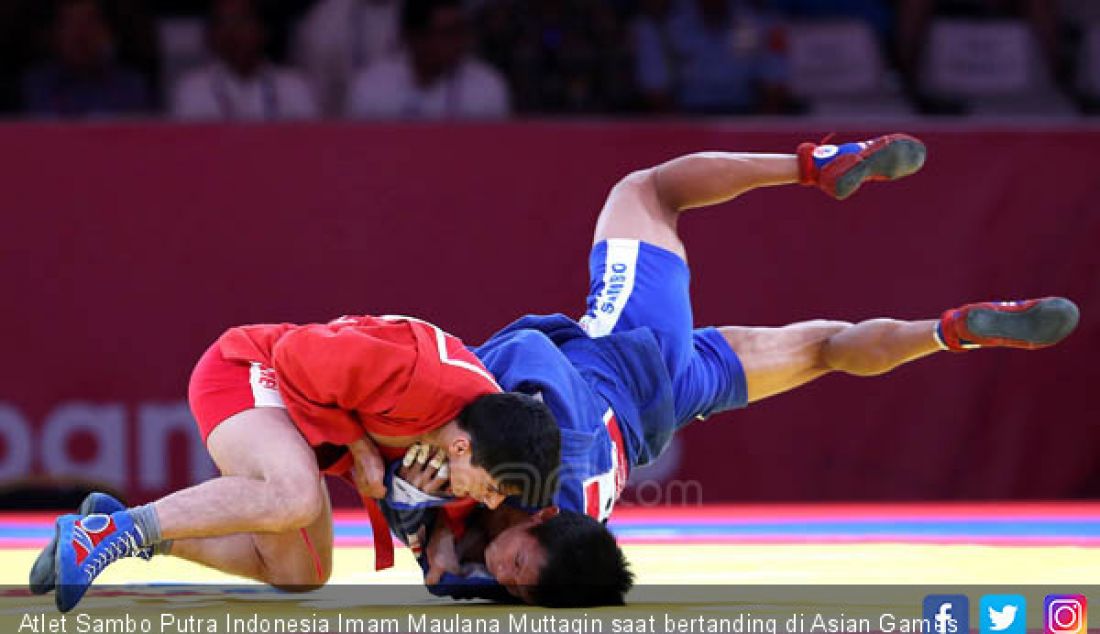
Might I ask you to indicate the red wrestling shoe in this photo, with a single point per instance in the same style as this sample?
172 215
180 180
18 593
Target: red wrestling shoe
1030 324
839 170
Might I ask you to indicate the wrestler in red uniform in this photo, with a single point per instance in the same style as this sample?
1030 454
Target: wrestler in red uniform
279 404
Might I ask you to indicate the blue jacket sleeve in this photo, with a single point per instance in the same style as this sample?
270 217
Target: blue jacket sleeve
409 516
473 586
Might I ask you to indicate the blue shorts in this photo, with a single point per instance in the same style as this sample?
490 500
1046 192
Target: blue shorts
634 284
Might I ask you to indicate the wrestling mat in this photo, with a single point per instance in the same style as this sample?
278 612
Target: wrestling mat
689 562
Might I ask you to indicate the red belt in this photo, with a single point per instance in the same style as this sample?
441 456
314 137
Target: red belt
623 471
383 541
592 494
379 527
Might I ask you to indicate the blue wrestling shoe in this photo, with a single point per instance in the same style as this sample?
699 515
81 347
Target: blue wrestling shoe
85 546
43 572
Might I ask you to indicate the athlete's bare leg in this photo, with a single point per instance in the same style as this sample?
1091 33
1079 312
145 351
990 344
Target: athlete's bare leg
271 491
646 206
776 360
250 520
283 560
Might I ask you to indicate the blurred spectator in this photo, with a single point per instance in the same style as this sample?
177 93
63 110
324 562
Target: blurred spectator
1080 13
338 38
709 56
559 55
915 15
241 83
1080 36
434 77
15 47
879 14
83 78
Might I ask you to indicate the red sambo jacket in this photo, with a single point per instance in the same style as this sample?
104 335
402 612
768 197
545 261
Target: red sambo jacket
390 376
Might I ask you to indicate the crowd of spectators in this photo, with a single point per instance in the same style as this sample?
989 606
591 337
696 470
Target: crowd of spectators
487 59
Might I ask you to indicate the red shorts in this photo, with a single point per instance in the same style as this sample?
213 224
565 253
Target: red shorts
220 388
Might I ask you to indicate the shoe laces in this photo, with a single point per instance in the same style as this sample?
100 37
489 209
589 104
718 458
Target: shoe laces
126 545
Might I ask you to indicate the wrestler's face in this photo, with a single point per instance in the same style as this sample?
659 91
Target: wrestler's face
516 557
472 481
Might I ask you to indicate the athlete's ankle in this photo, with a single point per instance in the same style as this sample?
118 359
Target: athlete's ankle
812 158
148 525
937 334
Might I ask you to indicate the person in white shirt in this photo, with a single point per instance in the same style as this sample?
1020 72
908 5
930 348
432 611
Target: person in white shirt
338 38
241 84
435 77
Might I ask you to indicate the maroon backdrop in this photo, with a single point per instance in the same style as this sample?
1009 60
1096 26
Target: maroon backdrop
125 250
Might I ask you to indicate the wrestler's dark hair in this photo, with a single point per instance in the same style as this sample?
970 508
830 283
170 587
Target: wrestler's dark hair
515 438
584 565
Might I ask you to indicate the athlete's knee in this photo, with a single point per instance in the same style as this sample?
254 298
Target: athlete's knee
816 335
294 586
637 180
325 574
824 332
826 328
300 579
644 187
301 507
296 579
293 502
858 350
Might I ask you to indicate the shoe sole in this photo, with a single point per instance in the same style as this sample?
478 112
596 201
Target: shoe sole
42 577
1044 324
63 602
898 158
43 572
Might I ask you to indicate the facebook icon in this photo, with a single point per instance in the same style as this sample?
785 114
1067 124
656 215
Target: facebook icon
947 614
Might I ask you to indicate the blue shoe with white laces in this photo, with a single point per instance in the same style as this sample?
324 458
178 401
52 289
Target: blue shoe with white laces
43 572
86 546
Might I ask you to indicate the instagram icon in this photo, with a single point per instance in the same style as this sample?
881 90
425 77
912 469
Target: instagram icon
1065 614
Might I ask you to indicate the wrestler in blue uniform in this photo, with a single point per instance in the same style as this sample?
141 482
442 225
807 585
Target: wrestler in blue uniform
625 378
620 382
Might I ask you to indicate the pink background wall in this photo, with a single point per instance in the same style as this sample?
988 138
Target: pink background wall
125 250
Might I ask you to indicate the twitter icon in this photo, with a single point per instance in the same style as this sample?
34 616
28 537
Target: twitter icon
1003 614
